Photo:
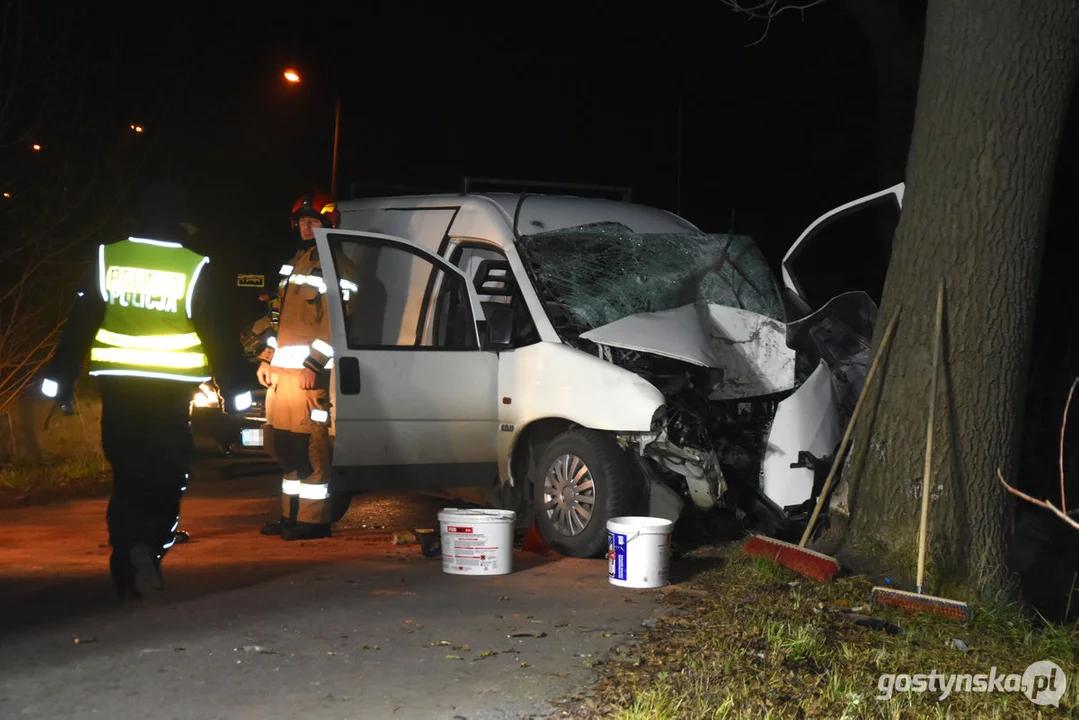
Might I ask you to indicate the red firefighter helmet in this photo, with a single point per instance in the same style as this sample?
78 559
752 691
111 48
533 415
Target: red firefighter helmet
316 204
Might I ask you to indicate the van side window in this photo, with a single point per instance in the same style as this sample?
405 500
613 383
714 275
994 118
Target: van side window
393 291
490 274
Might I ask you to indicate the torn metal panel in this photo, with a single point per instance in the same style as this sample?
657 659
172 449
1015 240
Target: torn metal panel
808 421
749 349
699 468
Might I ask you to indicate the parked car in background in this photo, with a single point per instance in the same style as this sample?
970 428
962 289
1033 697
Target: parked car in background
216 431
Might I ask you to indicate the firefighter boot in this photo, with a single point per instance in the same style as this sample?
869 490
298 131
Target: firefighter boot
276 528
306 531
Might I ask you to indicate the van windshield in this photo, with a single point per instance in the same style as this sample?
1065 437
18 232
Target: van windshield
604 272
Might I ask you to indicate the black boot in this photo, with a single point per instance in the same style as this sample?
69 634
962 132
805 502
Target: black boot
275 528
306 531
123 576
147 568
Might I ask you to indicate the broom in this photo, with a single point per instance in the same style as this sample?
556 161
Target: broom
917 601
798 558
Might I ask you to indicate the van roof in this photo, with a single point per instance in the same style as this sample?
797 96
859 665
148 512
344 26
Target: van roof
540 213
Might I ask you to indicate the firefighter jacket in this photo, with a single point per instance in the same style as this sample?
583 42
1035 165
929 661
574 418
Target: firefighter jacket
147 309
299 332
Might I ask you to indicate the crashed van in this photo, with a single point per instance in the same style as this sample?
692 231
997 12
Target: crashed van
583 359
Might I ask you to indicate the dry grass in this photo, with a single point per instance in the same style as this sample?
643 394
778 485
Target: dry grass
42 479
750 639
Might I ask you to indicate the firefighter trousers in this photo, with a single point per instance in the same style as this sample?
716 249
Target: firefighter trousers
298 436
146 436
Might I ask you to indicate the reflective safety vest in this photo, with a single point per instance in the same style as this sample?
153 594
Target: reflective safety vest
148 287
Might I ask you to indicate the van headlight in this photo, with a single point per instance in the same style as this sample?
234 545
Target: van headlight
206 397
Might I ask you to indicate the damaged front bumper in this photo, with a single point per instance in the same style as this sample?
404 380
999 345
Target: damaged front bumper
775 447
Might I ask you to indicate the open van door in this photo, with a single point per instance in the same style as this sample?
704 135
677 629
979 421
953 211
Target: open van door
845 249
415 395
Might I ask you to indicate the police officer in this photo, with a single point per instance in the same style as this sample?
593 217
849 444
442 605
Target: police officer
295 367
146 312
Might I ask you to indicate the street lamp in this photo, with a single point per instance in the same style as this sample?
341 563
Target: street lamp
36 147
293 77
137 128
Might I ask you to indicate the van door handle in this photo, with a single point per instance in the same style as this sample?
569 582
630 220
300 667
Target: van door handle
349 373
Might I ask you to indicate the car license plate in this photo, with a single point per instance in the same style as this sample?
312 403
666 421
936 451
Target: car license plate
251 437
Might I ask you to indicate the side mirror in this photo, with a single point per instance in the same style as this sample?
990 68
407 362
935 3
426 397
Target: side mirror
500 327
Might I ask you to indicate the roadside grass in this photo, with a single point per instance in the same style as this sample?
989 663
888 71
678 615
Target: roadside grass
28 480
751 639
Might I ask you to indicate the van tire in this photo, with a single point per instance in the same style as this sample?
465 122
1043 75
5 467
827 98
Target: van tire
614 481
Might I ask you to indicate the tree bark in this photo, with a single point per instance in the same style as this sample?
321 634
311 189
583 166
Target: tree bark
995 82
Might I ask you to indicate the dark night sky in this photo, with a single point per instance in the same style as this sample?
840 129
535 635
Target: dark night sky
778 132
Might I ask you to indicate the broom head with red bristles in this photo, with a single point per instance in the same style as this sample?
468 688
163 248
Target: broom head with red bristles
803 561
919 603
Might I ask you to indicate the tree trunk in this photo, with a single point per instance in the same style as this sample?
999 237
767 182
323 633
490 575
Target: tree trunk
995 83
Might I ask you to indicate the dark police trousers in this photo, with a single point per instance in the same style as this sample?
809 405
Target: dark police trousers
146 436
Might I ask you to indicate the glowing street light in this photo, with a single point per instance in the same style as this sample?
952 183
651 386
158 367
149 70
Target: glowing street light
7 195
137 128
36 147
294 77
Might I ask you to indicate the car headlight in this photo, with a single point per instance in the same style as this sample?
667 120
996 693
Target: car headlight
206 397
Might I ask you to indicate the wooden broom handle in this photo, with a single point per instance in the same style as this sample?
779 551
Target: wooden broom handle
850 427
928 469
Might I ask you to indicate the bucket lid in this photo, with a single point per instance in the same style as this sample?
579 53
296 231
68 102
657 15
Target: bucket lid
640 523
476 513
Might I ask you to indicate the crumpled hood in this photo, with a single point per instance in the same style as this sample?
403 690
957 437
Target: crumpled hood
748 348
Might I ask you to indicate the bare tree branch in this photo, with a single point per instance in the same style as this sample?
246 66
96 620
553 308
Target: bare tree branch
1040 503
1064 424
767 10
1061 512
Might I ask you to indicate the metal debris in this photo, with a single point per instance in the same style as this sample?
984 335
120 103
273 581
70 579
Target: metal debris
255 649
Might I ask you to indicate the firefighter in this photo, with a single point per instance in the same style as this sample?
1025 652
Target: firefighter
146 311
295 366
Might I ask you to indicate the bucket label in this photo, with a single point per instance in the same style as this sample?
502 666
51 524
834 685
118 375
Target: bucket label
616 555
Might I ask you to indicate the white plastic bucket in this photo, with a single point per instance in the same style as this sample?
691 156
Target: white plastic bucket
477 542
638 551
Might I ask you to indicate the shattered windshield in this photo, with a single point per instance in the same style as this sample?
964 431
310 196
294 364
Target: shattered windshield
604 272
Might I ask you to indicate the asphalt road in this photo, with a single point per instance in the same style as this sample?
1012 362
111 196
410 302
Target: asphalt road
253 627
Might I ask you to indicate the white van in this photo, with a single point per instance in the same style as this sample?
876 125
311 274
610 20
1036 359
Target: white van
583 359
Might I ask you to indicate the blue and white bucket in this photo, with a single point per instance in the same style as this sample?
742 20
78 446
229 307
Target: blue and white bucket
638 551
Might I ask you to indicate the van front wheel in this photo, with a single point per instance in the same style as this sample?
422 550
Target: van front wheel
581 481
